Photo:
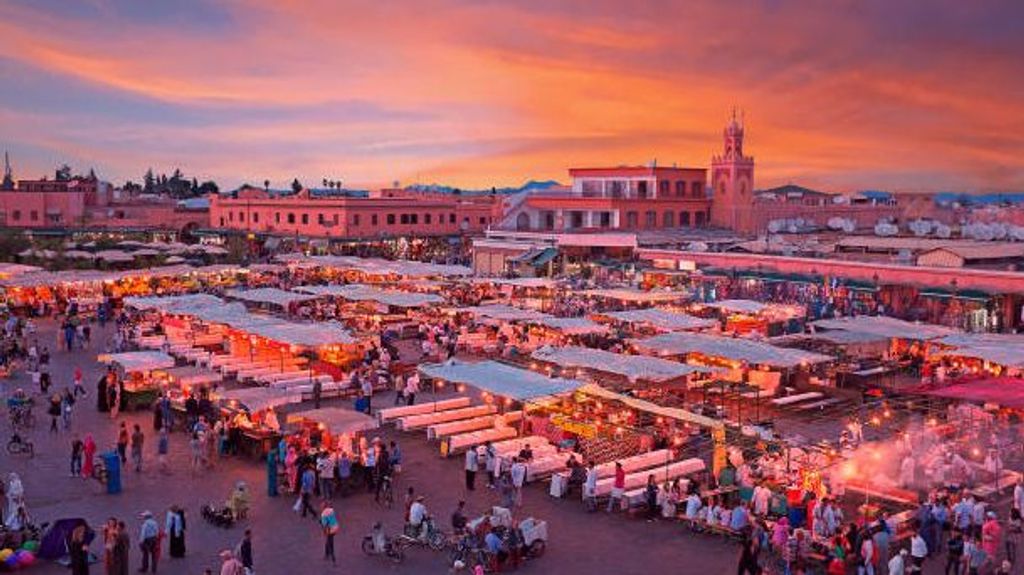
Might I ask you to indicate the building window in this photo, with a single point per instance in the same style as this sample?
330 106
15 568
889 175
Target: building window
320 219
549 220
231 216
699 216
650 219
241 216
427 219
305 218
641 189
414 219
451 218
681 189
618 188
33 215
606 219
684 219
277 217
256 218
697 189
483 221
404 219
291 218
17 215
355 219
663 187
631 220
668 220
391 219
373 219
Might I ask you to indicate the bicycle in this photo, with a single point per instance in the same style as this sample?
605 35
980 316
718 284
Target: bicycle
19 445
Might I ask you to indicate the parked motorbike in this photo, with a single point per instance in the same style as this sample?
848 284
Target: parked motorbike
378 544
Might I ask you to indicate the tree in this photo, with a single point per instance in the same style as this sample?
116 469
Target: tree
325 182
296 185
63 173
208 187
266 185
195 186
177 175
148 180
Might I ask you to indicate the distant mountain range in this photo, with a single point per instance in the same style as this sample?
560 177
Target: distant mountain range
979 199
530 186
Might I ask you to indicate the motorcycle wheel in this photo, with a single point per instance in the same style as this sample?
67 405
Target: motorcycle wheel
437 540
12 447
395 553
368 546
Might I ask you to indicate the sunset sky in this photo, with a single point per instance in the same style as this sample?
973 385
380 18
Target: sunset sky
841 95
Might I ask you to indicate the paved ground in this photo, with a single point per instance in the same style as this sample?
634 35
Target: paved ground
284 543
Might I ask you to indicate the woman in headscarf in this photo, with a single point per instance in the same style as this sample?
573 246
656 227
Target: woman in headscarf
15 501
174 525
88 454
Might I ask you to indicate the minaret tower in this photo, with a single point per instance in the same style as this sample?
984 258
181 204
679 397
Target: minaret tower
732 182
8 183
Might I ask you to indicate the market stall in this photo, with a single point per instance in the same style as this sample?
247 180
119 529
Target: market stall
329 428
658 320
135 371
253 418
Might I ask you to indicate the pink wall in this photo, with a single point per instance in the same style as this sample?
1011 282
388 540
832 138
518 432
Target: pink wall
987 280
352 217
41 209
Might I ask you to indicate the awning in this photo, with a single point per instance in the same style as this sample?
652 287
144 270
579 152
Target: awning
336 420
734 349
259 398
138 360
632 367
500 379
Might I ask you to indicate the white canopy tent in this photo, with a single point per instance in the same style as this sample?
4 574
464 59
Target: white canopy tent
733 349
359 292
744 306
143 361
499 379
268 295
637 296
662 319
377 266
573 325
504 312
889 327
259 398
632 367
336 420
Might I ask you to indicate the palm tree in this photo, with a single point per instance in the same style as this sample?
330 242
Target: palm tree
325 182
266 185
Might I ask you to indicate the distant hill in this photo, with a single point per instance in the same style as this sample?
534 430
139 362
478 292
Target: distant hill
530 186
979 199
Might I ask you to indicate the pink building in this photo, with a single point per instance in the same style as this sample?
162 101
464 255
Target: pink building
622 198
51 203
386 213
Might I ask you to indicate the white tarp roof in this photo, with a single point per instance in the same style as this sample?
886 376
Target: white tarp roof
1001 349
337 420
739 306
519 282
504 312
358 292
139 360
637 296
269 295
573 325
662 319
213 310
7 269
260 398
633 367
377 266
500 379
744 350
886 326
45 278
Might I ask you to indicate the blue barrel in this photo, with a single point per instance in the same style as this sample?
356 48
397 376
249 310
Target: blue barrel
112 461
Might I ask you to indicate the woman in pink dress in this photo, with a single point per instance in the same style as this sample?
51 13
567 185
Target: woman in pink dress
290 466
88 453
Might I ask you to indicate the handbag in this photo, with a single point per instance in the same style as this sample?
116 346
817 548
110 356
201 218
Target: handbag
298 504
